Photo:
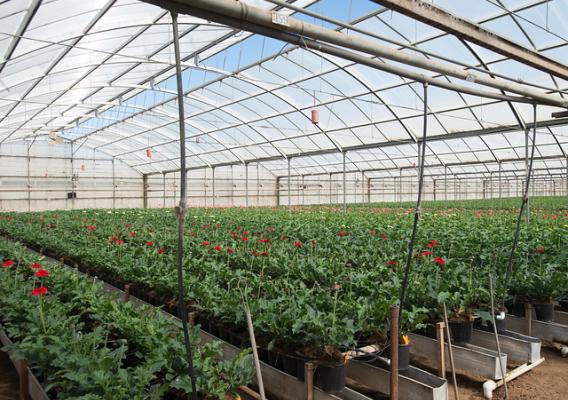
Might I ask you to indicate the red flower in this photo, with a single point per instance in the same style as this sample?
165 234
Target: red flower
132 234
440 261
113 239
193 234
245 233
539 250
392 262
230 250
218 225
218 248
555 217
119 242
264 254
384 236
150 243
35 266
264 241
426 253
40 291
91 227
244 239
284 238
335 286
7 264
42 273
342 233
205 243
297 244
161 250
255 253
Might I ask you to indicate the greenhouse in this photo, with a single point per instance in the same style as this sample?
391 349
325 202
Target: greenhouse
283 199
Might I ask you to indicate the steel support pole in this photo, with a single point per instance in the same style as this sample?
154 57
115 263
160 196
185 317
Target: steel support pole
330 190
278 191
400 186
232 186
246 185
213 186
181 212
303 191
446 184
567 183
527 182
344 185
368 190
28 180
164 190
499 182
289 188
72 177
145 191
257 185
114 185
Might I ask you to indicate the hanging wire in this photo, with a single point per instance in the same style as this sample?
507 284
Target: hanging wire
524 203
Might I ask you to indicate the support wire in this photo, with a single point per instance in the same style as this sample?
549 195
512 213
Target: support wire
181 213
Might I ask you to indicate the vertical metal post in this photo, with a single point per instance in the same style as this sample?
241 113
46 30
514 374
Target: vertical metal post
303 190
246 185
278 191
368 190
499 183
330 190
400 186
213 186
527 209
164 190
566 182
257 185
362 186
205 187
181 212
289 188
72 177
344 185
114 185
232 186
145 191
434 188
28 181
446 184
394 317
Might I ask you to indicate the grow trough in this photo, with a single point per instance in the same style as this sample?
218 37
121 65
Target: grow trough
30 388
414 383
550 331
519 348
469 359
560 317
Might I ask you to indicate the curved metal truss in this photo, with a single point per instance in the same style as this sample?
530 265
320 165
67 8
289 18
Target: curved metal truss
100 74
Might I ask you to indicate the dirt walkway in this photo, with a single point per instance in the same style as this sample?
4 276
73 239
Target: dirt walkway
548 381
8 379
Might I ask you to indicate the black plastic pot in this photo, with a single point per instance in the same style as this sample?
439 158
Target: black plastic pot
500 323
275 359
330 377
262 354
300 369
289 365
403 356
564 305
544 311
518 309
214 328
461 330
224 334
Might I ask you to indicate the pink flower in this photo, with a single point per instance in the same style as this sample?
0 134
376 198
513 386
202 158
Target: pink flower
335 286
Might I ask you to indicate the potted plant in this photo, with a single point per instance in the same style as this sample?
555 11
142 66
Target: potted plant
545 284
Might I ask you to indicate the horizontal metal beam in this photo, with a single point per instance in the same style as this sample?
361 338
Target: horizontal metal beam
369 146
437 17
244 16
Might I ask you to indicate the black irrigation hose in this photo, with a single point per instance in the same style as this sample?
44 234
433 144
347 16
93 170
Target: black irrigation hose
181 213
524 203
417 211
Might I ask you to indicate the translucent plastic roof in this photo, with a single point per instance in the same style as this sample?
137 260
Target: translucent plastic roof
100 74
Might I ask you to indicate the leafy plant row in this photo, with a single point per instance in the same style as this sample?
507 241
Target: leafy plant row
83 344
315 280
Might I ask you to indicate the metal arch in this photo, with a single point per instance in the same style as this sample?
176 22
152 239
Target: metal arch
31 11
60 57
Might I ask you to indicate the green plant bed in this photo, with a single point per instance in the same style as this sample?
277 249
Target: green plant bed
84 344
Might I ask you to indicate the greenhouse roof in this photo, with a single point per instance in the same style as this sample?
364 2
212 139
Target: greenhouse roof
100 74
